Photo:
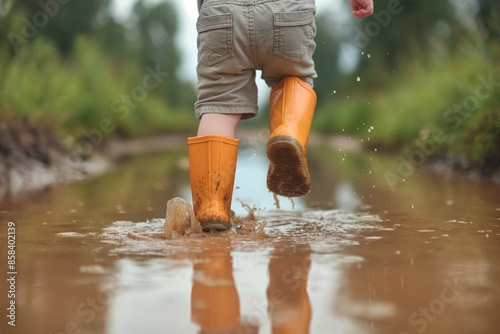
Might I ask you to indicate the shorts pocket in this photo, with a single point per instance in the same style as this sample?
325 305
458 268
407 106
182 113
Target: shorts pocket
215 38
293 33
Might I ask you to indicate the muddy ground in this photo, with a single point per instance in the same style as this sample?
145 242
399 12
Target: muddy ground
34 156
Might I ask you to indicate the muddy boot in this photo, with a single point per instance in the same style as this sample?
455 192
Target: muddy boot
212 165
292 104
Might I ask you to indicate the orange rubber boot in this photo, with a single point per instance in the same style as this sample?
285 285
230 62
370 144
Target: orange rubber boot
212 165
292 104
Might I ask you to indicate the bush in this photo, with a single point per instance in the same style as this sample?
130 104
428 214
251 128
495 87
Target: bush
423 98
80 93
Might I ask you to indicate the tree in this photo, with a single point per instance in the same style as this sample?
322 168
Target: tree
326 57
62 22
155 28
489 18
404 29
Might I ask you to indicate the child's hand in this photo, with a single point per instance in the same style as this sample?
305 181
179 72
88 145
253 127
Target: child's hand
362 8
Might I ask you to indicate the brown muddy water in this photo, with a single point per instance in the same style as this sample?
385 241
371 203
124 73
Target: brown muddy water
354 256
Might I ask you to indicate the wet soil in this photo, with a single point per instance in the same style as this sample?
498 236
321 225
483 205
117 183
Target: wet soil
354 256
32 156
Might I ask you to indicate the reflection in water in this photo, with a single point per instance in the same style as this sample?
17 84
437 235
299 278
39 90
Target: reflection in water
287 299
229 299
345 198
215 305
354 256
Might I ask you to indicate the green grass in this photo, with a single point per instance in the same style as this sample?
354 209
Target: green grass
420 99
78 94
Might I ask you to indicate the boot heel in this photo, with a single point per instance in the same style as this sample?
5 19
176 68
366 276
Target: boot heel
291 106
288 174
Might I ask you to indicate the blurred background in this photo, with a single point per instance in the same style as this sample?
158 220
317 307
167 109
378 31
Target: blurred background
419 81
100 69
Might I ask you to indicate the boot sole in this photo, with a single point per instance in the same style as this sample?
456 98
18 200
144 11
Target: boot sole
214 226
288 174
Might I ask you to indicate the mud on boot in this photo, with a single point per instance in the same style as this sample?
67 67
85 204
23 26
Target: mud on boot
292 104
212 166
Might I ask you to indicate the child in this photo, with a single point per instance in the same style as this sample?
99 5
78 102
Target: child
235 38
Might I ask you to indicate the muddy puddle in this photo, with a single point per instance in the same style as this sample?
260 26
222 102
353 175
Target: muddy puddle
358 255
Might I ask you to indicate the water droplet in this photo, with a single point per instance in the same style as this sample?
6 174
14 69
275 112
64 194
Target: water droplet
375 149
358 79
368 55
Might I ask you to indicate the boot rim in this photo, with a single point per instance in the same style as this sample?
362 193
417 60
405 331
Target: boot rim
212 138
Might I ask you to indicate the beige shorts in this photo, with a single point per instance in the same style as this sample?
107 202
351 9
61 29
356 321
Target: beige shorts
237 37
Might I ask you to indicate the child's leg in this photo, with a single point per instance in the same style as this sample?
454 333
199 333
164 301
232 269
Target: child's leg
226 93
292 106
219 124
212 165
288 67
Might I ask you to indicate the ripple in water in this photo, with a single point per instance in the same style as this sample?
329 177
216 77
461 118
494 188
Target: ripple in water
324 231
